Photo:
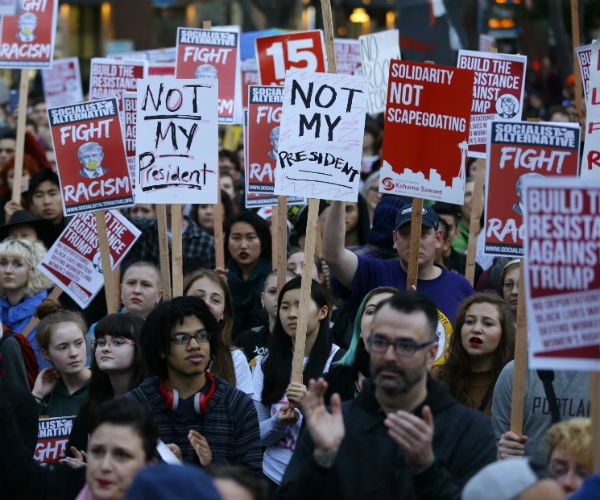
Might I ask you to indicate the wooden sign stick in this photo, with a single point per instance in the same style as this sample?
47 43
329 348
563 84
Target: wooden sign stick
110 287
177 250
414 247
474 223
274 246
281 241
520 367
576 38
20 142
311 224
163 249
218 229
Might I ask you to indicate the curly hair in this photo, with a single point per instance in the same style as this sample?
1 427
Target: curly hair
32 253
573 435
456 371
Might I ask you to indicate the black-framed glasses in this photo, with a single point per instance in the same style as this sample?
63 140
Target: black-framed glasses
406 348
201 337
116 342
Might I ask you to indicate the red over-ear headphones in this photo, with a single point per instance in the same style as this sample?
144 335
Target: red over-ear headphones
200 400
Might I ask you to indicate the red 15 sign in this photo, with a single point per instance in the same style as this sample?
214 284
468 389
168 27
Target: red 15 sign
278 53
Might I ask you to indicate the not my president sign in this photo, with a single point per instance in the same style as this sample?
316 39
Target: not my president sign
320 139
176 141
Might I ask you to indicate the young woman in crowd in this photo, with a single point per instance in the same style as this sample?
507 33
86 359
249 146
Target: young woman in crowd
255 342
277 399
213 289
509 280
123 440
117 367
203 214
141 288
248 240
570 449
60 390
22 287
347 375
482 343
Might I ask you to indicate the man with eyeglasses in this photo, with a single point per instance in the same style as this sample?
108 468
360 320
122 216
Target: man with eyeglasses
404 436
209 421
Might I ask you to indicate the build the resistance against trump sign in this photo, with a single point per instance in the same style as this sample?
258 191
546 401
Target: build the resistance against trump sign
562 271
320 139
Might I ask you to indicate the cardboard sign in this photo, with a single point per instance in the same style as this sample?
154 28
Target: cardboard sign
90 157
177 141
376 51
74 261
321 134
8 7
302 50
590 163
212 55
62 82
520 151
426 131
53 436
347 56
128 124
562 271
113 77
27 37
584 56
497 92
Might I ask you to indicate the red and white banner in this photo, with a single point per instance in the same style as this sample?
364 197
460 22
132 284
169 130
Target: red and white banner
74 262
347 56
519 151
113 77
590 163
213 55
426 131
53 436
27 37
90 156
497 92
562 273
62 82
303 50
584 56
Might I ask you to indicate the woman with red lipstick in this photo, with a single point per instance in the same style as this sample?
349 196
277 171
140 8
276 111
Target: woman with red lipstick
61 389
248 240
278 401
482 343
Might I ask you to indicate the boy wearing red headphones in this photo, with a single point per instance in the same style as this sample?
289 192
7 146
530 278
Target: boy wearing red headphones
210 421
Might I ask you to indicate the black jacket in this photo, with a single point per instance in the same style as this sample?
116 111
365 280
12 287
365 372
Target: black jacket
370 465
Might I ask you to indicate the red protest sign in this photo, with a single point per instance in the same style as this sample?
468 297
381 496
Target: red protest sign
113 77
518 151
562 273
90 156
426 131
278 53
53 436
27 38
211 55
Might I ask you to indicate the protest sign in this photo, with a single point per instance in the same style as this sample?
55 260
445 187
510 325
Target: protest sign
27 37
518 151
562 270
302 50
426 131
590 163
128 125
584 56
497 92
376 51
207 54
112 77
321 134
90 157
347 56
53 436
74 261
177 141
62 82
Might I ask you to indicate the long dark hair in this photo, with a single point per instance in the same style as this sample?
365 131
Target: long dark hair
124 325
277 367
260 226
456 371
